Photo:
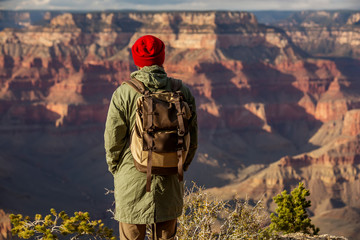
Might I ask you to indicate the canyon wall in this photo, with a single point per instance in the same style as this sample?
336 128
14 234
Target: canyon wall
325 33
271 111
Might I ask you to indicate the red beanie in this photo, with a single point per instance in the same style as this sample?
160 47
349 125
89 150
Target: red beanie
148 50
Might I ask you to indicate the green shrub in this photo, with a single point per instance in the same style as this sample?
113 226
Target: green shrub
291 215
56 224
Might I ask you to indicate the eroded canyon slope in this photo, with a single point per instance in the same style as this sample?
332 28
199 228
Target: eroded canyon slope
325 33
272 112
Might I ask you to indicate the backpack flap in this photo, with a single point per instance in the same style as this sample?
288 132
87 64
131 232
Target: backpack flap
164 111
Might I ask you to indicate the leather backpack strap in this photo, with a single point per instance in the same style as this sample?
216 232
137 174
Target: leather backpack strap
150 113
179 154
180 115
149 129
137 85
181 133
148 170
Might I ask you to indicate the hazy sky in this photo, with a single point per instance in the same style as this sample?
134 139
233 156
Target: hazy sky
181 4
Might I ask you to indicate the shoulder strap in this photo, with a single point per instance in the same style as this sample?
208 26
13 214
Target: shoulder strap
137 85
175 84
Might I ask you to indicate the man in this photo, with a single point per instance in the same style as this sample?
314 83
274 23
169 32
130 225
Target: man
135 207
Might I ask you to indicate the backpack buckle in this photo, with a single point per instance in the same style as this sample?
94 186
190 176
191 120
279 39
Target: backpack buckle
181 133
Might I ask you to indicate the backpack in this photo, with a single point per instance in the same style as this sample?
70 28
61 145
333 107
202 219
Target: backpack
160 139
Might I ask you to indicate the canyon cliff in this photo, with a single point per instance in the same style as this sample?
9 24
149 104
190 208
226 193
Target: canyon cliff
271 111
325 33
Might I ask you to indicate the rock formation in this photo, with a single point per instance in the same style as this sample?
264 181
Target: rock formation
270 114
325 33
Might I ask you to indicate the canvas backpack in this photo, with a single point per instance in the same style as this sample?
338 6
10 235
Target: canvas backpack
160 139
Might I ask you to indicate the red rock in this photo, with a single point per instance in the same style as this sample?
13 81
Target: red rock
352 123
5 226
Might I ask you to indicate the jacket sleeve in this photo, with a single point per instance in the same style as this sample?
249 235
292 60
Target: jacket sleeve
115 136
193 129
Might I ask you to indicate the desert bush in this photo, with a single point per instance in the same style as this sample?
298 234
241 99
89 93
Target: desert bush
54 225
291 214
238 219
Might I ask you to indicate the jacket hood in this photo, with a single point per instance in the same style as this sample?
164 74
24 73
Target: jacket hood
152 76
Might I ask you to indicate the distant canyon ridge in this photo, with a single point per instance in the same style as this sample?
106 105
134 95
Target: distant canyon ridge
278 103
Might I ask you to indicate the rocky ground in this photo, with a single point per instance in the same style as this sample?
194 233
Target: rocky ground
300 236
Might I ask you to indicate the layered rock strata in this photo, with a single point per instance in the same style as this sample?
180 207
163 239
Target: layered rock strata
325 33
260 98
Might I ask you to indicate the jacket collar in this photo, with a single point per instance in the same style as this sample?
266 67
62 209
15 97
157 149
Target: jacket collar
152 76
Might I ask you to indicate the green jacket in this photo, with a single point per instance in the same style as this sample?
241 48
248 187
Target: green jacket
132 203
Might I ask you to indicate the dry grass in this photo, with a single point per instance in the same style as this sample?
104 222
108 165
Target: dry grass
238 219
